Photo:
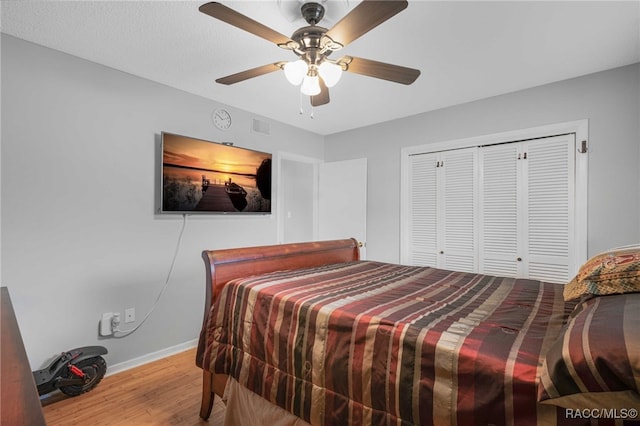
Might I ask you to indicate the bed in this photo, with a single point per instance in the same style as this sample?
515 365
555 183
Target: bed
313 331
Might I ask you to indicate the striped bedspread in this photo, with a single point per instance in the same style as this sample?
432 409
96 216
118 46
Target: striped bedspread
382 344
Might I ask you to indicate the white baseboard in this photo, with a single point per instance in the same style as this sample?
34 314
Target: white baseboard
154 356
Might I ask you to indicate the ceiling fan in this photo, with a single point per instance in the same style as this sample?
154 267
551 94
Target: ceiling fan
313 44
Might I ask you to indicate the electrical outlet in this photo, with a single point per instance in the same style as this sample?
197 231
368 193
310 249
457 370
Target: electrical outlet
130 315
115 322
105 324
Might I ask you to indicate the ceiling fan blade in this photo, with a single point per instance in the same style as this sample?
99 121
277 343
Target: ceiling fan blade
245 75
363 18
395 73
230 16
321 98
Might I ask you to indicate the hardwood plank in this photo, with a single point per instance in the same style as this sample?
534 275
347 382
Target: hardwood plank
163 392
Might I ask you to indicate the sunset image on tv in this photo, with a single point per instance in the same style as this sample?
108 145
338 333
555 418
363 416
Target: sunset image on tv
202 176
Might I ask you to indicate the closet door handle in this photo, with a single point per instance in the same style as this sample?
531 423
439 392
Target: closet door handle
519 259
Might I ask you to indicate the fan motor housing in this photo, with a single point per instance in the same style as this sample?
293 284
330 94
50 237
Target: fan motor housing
312 12
309 41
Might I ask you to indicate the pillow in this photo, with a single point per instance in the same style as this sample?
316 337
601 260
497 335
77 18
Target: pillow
595 362
612 272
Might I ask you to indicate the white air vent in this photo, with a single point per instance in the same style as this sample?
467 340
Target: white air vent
261 127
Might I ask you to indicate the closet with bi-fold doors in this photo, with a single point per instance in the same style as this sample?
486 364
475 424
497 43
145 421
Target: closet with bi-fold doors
505 208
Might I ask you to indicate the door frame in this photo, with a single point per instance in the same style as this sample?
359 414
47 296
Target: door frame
579 127
279 210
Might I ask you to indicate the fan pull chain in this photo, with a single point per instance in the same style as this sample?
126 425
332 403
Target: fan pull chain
300 99
302 109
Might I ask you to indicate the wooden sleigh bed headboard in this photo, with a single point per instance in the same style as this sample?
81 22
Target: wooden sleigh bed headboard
223 266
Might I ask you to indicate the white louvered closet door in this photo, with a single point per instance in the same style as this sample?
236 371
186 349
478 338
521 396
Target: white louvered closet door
458 194
549 170
526 193
423 210
442 208
499 225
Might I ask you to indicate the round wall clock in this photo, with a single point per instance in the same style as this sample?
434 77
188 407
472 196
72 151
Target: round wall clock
221 118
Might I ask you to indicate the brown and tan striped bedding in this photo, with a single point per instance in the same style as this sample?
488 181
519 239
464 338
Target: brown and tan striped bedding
383 344
596 362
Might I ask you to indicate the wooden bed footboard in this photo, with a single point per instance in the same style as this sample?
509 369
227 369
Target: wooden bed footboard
223 266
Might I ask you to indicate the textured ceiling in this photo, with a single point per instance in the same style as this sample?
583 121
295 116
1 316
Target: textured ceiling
465 50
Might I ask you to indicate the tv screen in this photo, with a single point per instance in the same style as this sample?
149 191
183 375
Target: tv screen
199 176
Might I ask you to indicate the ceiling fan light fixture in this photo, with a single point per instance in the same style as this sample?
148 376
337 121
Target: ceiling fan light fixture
330 73
310 85
295 71
313 72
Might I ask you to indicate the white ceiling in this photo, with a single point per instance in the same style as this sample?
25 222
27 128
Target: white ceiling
466 50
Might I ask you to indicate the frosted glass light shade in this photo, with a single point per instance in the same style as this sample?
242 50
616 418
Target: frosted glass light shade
295 71
330 73
310 85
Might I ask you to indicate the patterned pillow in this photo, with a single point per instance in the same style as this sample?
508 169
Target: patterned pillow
595 362
612 272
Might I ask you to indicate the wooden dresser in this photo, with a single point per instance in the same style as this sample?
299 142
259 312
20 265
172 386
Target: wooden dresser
19 401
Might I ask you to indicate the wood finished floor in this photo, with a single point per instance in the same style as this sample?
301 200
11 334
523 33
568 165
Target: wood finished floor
163 392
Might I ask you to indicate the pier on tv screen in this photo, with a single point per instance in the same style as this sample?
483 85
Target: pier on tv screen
200 176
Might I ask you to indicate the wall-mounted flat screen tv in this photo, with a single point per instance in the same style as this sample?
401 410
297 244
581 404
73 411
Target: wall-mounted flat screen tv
200 176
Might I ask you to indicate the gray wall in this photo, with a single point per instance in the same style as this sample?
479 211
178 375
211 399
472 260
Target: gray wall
609 100
79 173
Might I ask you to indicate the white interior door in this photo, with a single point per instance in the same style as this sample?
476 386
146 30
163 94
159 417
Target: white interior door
342 201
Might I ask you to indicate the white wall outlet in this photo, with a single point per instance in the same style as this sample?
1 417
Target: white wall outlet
130 315
115 322
105 324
